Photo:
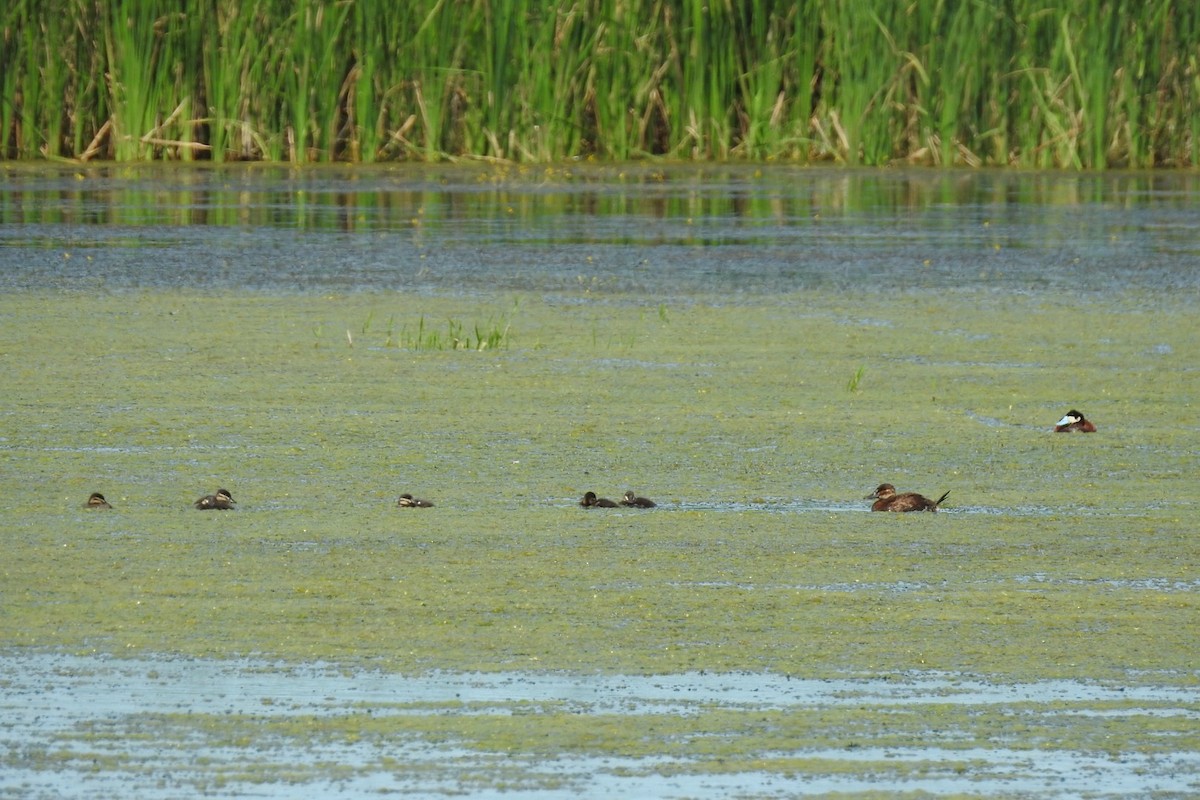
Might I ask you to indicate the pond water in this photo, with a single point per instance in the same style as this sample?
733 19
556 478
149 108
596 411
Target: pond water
131 713
755 347
646 232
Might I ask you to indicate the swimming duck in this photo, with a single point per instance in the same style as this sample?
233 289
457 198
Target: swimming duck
591 501
633 501
97 501
408 501
221 501
886 499
1074 421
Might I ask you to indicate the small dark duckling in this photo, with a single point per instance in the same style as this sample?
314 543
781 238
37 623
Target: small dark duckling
408 501
1074 421
591 501
886 499
221 501
97 501
633 501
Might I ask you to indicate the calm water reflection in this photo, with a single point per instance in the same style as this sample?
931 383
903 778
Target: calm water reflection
662 232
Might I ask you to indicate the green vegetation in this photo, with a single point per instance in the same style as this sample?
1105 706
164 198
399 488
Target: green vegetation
856 379
1063 556
455 336
1059 555
1072 83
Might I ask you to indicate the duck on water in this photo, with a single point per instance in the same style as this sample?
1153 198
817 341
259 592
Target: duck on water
886 499
1074 421
221 501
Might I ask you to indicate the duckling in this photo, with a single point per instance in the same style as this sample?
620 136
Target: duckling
1074 421
97 501
591 501
221 501
633 501
408 501
886 499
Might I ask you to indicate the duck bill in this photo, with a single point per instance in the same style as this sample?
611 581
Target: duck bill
1067 420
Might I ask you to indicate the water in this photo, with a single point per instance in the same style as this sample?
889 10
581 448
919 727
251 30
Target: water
693 335
128 713
659 234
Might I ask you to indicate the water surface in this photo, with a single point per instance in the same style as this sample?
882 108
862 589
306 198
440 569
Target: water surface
250 731
754 348
662 233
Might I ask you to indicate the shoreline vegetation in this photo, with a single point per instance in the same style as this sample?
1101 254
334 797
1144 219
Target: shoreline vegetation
1078 84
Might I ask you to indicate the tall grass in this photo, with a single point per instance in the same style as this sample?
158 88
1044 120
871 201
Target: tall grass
1036 83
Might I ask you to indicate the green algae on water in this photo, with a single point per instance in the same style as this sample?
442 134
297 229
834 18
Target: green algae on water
1057 556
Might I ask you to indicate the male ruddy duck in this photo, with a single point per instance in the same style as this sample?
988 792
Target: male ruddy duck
633 501
221 501
886 499
408 501
591 501
1074 421
97 501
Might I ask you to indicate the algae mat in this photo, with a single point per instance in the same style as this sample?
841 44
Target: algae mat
758 425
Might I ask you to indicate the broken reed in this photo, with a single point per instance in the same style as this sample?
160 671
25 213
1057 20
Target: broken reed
1072 83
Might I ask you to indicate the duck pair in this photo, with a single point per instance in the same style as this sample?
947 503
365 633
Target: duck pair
630 500
887 499
221 501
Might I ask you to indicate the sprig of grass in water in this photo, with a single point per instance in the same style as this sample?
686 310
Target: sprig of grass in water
856 379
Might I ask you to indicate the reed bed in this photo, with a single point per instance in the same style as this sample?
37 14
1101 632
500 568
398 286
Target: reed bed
1033 83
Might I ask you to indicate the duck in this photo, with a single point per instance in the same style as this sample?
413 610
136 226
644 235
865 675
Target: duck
408 501
886 499
221 501
1074 421
633 501
591 501
97 501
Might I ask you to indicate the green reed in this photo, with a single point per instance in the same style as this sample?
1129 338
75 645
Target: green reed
454 336
855 381
1065 83
237 72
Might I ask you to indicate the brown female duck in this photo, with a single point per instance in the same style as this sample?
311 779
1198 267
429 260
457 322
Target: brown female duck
886 499
408 501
